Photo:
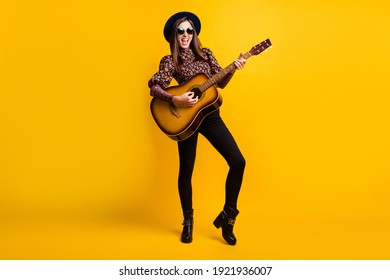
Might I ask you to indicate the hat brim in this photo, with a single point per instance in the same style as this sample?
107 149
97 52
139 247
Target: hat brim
168 25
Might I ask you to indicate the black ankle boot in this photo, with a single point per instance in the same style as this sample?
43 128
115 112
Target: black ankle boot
188 224
226 220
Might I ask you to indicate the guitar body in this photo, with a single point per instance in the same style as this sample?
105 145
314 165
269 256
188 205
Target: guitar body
180 123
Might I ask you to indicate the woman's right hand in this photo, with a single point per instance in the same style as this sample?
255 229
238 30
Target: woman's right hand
187 99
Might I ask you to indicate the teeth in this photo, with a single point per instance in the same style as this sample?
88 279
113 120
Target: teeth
185 41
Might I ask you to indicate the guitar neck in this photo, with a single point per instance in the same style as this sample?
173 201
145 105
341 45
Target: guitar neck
220 75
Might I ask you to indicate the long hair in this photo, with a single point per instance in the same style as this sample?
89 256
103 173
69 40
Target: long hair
195 45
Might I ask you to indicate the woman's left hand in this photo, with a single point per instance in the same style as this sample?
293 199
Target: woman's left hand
240 62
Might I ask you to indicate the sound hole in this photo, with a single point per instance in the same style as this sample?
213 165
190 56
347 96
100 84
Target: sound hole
197 93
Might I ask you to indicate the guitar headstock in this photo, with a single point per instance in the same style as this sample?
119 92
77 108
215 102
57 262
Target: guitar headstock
259 48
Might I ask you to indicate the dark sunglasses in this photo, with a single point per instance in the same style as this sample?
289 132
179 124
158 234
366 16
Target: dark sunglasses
181 31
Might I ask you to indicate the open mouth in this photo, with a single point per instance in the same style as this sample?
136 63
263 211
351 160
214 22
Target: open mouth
184 41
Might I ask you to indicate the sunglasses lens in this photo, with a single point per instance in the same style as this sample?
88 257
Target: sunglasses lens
181 31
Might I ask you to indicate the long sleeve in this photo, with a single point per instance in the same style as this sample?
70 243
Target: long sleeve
161 80
158 92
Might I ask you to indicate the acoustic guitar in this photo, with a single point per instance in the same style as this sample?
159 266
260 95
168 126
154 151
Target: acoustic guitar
180 123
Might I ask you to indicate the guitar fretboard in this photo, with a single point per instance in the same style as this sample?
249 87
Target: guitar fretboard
217 77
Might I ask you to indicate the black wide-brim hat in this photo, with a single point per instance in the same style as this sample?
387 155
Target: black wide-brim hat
168 25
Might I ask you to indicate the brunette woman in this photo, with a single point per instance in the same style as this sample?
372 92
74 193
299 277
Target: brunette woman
188 58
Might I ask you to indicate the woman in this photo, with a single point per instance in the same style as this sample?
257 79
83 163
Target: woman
187 59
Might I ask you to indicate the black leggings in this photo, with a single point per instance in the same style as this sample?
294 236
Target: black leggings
216 132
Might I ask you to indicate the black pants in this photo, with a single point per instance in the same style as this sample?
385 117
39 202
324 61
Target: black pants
216 132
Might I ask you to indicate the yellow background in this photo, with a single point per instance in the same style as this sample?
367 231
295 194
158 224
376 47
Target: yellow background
86 174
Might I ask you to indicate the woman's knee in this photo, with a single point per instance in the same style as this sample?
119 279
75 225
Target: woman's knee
238 163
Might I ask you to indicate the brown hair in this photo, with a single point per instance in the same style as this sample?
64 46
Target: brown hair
195 45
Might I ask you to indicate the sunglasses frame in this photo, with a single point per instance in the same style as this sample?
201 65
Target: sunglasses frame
189 30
